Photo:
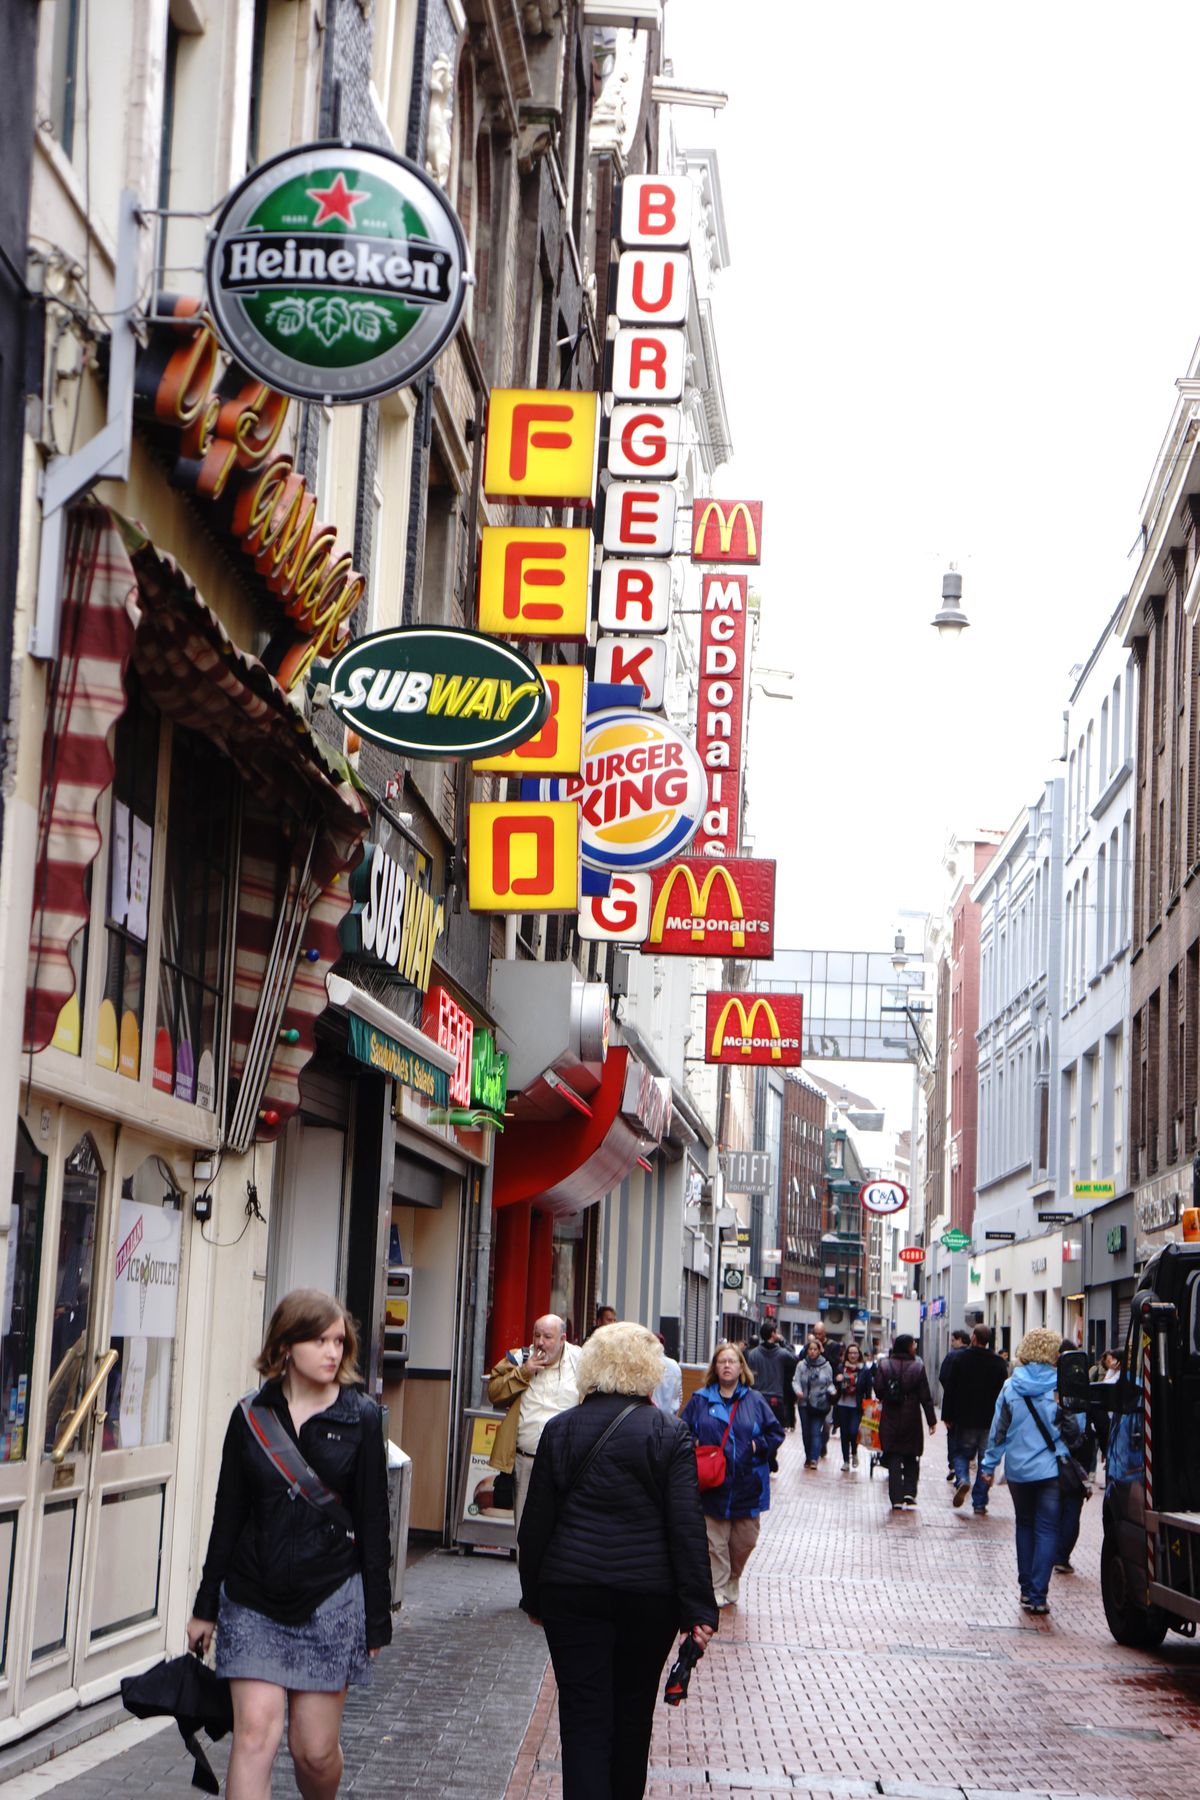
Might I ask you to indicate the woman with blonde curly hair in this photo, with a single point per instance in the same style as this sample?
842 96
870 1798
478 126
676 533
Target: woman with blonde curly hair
613 1559
728 1412
1027 1435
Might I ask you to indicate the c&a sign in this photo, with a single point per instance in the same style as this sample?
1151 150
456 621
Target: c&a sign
761 1029
706 908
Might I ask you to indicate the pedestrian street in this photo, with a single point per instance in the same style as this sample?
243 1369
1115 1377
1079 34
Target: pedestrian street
873 1653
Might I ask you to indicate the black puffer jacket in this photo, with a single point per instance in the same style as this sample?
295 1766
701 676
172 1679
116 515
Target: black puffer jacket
633 1522
282 1556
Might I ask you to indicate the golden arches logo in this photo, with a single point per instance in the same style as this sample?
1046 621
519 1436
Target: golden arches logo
699 898
725 525
747 1031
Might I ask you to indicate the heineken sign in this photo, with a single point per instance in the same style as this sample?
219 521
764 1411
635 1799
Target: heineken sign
438 692
336 272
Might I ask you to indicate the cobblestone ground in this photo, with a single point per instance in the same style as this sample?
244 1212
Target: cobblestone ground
443 1717
879 1653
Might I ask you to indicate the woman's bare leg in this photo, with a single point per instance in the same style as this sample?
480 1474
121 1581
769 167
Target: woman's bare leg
314 1739
257 1729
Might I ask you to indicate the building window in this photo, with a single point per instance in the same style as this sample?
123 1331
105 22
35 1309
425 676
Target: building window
195 921
64 72
120 1019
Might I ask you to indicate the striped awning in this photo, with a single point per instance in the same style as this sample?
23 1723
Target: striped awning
303 823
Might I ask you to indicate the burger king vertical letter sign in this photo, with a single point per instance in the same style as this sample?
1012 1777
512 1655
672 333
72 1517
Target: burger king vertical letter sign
759 1029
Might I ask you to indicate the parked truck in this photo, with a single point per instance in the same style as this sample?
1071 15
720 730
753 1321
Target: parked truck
1150 1558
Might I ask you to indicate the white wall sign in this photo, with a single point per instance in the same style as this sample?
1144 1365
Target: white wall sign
635 596
644 440
648 365
146 1274
622 916
641 661
639 519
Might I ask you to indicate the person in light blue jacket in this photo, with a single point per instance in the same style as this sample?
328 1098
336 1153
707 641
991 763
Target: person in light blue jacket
1025 1417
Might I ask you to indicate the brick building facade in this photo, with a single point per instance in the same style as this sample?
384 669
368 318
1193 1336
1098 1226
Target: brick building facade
801 1192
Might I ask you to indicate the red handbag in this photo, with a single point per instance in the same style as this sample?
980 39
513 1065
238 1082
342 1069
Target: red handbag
710 1458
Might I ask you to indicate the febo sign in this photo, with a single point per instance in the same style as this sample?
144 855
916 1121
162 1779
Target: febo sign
445 1021
883 1197
523 857
720 708
219 428
749 1029
437 692
336 272
640 794
701 908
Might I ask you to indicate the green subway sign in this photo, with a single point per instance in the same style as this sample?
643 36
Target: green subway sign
336 272
438 692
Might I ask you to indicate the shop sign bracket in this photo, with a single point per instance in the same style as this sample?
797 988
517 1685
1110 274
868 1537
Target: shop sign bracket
104 457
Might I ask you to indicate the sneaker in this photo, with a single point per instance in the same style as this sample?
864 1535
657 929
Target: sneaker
1036 1606
1026 1602
810 1465
951 1476
910 1499
845 1468
1064 1568
980 1512
854 1460
961 1492
733 1590
898 1506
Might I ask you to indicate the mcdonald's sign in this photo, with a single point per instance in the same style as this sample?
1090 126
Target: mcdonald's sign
702 907
727 531
762 1029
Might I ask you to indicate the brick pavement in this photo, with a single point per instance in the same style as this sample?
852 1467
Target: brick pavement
933 1683
443 1717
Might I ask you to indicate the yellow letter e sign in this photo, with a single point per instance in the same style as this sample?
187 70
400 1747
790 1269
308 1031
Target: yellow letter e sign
523 856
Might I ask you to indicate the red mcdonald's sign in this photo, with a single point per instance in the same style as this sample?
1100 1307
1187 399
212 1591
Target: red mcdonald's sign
727 531
762 1029
720 907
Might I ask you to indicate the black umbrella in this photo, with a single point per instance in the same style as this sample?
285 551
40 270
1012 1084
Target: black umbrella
188 1691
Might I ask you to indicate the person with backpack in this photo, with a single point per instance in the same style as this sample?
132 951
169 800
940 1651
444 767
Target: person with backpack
813 1386
771 1369
297 1580
902 1387
1080 1439
1027 1436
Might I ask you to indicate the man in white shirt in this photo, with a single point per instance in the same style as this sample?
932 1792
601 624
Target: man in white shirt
534 1384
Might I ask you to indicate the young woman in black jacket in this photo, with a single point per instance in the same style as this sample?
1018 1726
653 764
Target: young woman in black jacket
613 1560
298 1593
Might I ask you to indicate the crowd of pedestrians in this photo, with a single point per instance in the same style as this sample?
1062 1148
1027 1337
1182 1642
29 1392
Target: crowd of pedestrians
638 1500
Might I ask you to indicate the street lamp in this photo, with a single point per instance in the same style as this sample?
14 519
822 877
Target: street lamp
951 620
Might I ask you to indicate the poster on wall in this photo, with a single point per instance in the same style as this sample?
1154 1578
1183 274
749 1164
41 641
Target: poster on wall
479 1519
146 1274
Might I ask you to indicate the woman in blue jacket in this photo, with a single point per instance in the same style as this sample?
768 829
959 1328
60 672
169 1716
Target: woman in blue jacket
727 1409
1027 1397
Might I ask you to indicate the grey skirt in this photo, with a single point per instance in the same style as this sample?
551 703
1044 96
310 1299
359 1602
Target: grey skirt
324 1655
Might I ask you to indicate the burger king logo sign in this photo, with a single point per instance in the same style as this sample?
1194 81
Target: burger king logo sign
641 792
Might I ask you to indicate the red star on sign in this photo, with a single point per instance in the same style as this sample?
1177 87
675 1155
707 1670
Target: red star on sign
337 201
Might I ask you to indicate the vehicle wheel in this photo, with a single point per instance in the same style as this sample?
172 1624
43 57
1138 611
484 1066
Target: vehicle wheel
1140 1627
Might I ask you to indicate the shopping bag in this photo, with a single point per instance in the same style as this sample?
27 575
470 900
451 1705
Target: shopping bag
868 1430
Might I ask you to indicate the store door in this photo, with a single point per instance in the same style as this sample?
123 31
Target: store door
94 1279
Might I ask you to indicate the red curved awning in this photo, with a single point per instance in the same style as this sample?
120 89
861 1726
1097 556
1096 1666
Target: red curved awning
566 1164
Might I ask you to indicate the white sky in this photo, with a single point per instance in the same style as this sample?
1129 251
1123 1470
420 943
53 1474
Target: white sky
964 279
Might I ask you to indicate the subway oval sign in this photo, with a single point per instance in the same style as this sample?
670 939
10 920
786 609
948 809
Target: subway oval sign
642 791
336 272
438 692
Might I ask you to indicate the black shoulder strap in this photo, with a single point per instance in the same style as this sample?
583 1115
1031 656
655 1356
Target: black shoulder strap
598 1446
1041 1425
287 1460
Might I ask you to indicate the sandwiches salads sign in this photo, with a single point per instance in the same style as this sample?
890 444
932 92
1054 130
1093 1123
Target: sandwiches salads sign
438 692
337 272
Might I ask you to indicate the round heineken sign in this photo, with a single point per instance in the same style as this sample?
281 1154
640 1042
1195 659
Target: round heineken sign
336 272
438 692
